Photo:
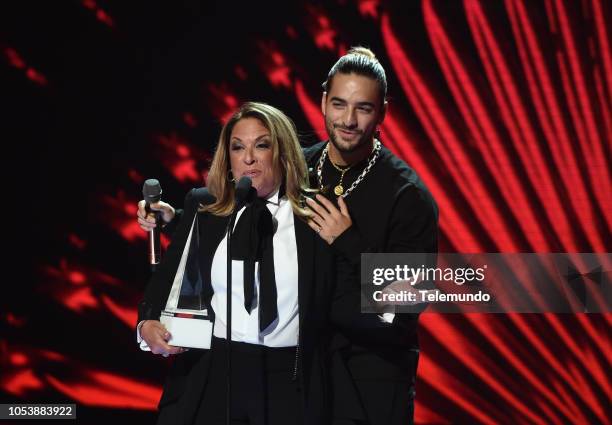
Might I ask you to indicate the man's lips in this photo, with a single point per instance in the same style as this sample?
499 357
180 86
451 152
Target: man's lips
348 133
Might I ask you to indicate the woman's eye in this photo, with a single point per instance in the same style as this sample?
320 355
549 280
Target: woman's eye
263 145
236 147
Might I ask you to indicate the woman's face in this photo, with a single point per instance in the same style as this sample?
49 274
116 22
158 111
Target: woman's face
250 152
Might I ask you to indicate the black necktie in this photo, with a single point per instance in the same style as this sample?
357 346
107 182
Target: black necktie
252 242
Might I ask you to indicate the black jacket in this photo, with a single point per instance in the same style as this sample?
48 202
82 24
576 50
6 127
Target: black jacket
319 302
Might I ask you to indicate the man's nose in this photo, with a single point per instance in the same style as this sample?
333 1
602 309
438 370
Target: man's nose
350 118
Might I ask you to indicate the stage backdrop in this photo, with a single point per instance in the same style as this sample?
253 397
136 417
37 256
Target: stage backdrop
503 108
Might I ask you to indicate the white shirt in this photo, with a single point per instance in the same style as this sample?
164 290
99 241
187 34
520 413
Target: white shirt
283 332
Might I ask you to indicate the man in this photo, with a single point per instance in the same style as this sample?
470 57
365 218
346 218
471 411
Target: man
382 206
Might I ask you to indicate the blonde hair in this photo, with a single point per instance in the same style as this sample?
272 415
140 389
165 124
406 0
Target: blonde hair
286 155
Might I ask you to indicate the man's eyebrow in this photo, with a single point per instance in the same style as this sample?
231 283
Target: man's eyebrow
364 103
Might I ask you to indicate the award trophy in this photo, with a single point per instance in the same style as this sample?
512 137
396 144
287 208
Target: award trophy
186 316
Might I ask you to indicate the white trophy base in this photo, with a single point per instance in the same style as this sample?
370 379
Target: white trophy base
193 332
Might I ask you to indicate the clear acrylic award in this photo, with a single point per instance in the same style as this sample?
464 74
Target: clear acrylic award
185 315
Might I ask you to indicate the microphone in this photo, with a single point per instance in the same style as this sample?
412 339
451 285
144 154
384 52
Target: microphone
243 193
203 196
151 191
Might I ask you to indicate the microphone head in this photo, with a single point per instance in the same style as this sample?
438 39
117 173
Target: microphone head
151 191
243 191
203 196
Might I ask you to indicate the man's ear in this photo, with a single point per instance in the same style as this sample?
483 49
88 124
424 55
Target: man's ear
383 113
323 101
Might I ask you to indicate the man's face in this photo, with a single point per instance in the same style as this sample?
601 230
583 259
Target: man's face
352 109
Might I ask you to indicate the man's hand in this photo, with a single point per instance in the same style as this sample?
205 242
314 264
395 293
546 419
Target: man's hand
147 221
327 220
156 336
404 287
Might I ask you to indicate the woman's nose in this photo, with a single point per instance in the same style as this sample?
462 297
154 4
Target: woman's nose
249 156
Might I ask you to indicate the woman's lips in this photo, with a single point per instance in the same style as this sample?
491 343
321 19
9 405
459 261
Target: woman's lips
251 173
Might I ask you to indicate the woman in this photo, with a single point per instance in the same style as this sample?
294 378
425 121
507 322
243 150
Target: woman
278 373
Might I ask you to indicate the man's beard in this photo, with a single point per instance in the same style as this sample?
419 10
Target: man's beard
363 139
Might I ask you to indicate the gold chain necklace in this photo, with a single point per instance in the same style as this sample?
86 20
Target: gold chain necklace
374 156
338 189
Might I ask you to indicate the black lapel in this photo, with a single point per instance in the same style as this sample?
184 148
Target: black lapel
305 241
212 230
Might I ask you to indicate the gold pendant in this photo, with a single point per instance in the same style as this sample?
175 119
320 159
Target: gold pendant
338 190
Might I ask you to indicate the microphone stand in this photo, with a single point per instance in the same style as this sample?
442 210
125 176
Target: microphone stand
241 196
228 329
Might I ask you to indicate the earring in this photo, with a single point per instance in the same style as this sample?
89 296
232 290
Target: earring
230 176
377 134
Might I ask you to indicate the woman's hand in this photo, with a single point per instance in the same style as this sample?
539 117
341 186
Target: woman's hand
156 336
147 221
